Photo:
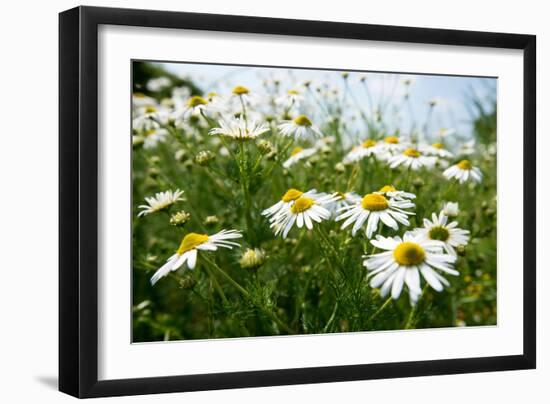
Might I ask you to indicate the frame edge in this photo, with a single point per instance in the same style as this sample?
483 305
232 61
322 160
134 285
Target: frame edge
69 115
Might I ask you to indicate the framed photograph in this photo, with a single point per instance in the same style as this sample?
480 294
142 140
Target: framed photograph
251 201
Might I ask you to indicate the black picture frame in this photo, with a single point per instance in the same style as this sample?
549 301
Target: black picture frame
78 200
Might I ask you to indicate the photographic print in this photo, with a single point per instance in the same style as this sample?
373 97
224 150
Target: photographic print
273 201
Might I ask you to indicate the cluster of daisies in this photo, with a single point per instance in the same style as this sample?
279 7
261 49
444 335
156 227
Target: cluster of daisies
428 252
234 117
397 152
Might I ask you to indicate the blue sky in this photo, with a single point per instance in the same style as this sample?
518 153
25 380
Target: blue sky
451 92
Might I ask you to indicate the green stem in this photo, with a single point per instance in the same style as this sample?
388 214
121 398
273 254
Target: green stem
217 285
247 295
331 253
332 317
245 186
377 312
412 314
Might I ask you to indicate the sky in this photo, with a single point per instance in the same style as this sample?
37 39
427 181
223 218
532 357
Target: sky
452 93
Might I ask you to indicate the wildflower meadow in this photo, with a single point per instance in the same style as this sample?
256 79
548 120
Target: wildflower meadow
276 201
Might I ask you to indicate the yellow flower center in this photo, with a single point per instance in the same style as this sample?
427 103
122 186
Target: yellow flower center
410 152
150 110
240 90
302 120
408 253
150 132
369 143
291 195
212 94
439 233
302 204
438 145
296 151
387 188
191 241
391 139
465 165
374 202
195 101
293 92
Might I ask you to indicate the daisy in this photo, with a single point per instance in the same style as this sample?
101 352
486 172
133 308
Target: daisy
190 244
411 158
290 99
300 127
341 201
392 144
149 117
391 192
160 201
368 148
448 234
371 209
443 132
196 104
467 148
298 154
436 149
402 262
216 103
288 199
158 83
303 211
463 171
243 93
180 94
154 136
140 100
240 128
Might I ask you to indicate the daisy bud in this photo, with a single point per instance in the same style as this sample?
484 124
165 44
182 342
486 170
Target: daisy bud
345 75
180 218
179 155
187 164
461 250
326 150
154 172
340 168
210 220
418 183
314 160
265 146
450 209
204 157
491 213
252 258
187 283
137 140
